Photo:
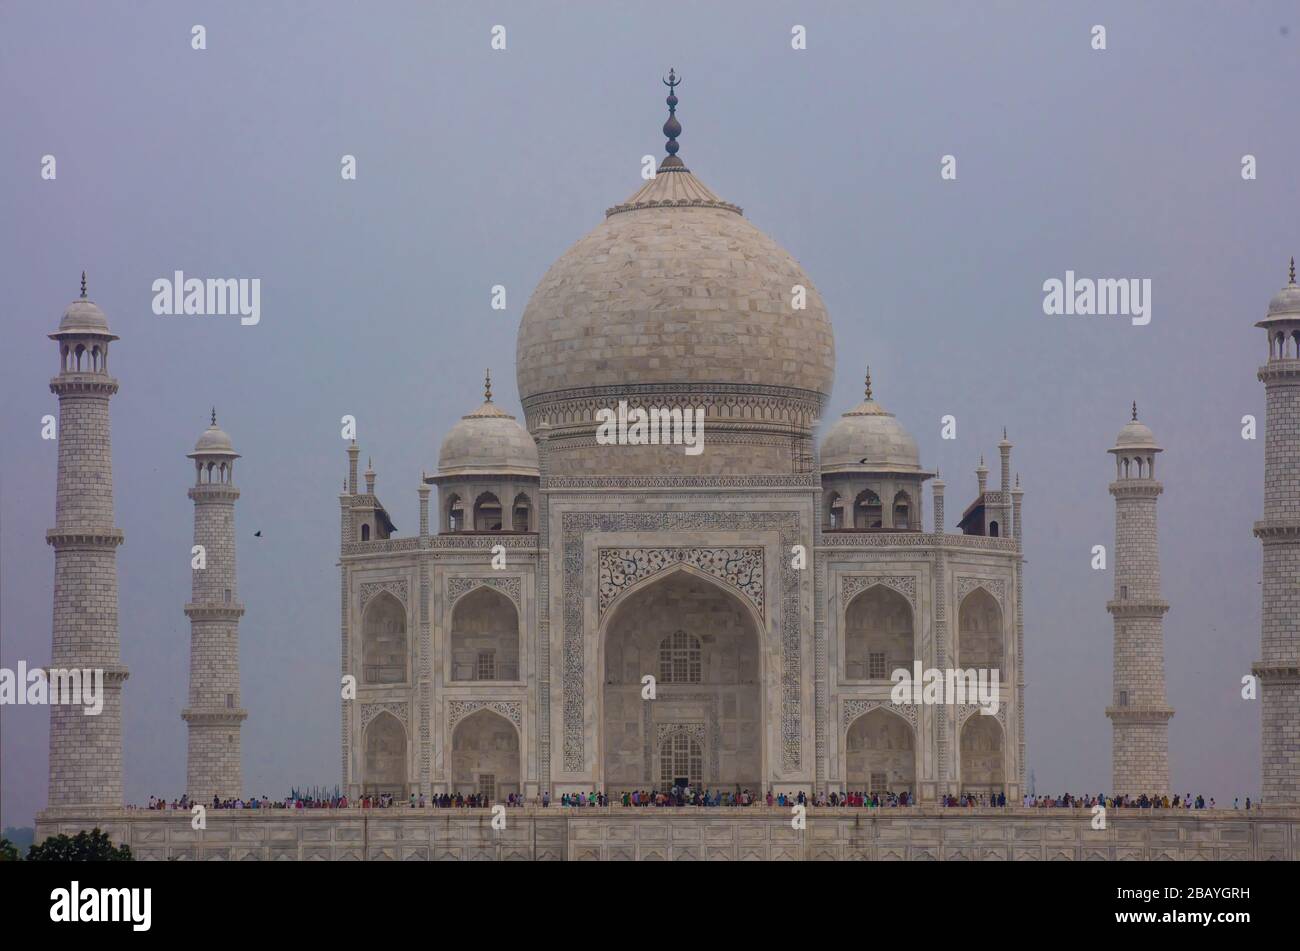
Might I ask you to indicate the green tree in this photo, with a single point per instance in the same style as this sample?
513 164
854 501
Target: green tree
94 846
8 852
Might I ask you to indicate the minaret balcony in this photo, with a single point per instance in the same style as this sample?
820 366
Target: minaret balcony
1141 714
1279 370
1137 607
65 539
83 384
1278 530
225 716
214 612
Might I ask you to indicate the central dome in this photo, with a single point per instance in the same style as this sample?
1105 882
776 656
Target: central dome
676 299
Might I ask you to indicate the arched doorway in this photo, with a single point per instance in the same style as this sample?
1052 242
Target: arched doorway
385 757
979 632
485 637
485 756
982 763
701 643
881 754
878 636
383 641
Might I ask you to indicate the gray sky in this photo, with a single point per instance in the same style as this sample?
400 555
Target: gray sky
478 167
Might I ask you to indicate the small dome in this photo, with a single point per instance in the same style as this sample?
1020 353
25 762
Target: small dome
1285 305
1286 302
1135 435
214 442
869 439
488 441
83 316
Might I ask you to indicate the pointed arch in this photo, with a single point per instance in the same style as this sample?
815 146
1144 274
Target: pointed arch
879 634
867 510
485 755
385 759
729 695
487 513
384 644
983 756
484 636
980 639
902 510
880 753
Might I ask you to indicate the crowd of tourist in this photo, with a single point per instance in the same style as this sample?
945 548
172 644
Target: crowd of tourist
683 797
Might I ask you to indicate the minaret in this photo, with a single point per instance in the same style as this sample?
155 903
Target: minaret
214 714
85 751
1279 667
1139 712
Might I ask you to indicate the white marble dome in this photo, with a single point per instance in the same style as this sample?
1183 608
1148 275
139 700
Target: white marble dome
675 302
1136 435
214 441
675 286
1286 302
488 441
868 438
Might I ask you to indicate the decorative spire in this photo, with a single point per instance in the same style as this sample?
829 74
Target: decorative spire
83 279
83 276
1135 410
487 386
868 383
1004 433
214 416
672 128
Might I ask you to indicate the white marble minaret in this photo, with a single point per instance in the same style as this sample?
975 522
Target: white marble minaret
85 750
1279 667
214 714
1139 712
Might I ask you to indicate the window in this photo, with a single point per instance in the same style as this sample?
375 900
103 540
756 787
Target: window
487 786
487 665
879 783
679 659
365 533
1123 592
230 700
1123 698
227 596
876 665
680 757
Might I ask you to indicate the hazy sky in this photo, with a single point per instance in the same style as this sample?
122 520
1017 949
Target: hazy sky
478 167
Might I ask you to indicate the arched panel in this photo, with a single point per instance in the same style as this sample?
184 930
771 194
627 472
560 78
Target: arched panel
878 634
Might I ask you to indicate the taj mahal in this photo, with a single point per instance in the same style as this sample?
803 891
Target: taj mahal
572 615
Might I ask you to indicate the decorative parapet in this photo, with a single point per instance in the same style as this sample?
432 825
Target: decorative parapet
947 541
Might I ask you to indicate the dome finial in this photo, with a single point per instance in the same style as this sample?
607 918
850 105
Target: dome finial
1292 273
83 279
487 386
672 128
214 416
868 383
1135 410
